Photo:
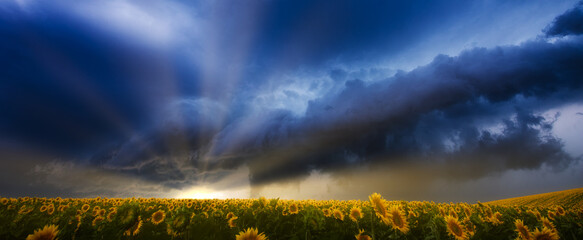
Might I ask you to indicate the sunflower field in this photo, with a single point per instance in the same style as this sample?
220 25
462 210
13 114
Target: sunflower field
139 218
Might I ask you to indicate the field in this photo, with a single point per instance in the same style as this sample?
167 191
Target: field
131 218
572 198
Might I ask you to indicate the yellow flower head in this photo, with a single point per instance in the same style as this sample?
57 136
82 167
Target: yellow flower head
378 203
97 220
468 211
49 232
158 217
134 229
522 230
495 218
327 212
355 214
560 211
263 201
50 210
362 236
85 207
293 208
545 234
398 219
232 223
251 234
338 214
111 215
548 224
454 228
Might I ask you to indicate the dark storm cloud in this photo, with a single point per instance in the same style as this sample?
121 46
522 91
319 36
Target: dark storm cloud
569 23
113 107
435 112
279 36
68 86
468 116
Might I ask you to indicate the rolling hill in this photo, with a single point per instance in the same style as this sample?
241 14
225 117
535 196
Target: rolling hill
570 199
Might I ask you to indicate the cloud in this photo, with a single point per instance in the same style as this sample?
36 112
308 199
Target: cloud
568 23
68 86
413 115
284 88
467 117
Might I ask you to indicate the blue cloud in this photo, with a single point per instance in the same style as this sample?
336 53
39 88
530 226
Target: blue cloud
568 23
284 87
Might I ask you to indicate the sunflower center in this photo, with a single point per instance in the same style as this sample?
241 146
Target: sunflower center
397 219
455 228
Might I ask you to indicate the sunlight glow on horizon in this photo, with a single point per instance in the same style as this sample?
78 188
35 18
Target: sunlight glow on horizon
207 193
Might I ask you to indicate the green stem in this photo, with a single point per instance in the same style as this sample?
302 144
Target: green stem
372 224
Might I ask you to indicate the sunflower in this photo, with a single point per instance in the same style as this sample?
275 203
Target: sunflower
548 224
560 211
111 215
467 211
158 217
495 218
178 223
50 210
293 208
327 212
25 210
85 207
398 219
251 234
49 232
43 208
128 218
362 236
489 213
338 214
62 208
135 228
232 223
470 227
545 234
263 201
522 230
442 211
97 220
453 213
230 215
355 214
454 228
551 215
379 206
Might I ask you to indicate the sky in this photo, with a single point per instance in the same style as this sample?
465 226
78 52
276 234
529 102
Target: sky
305 99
